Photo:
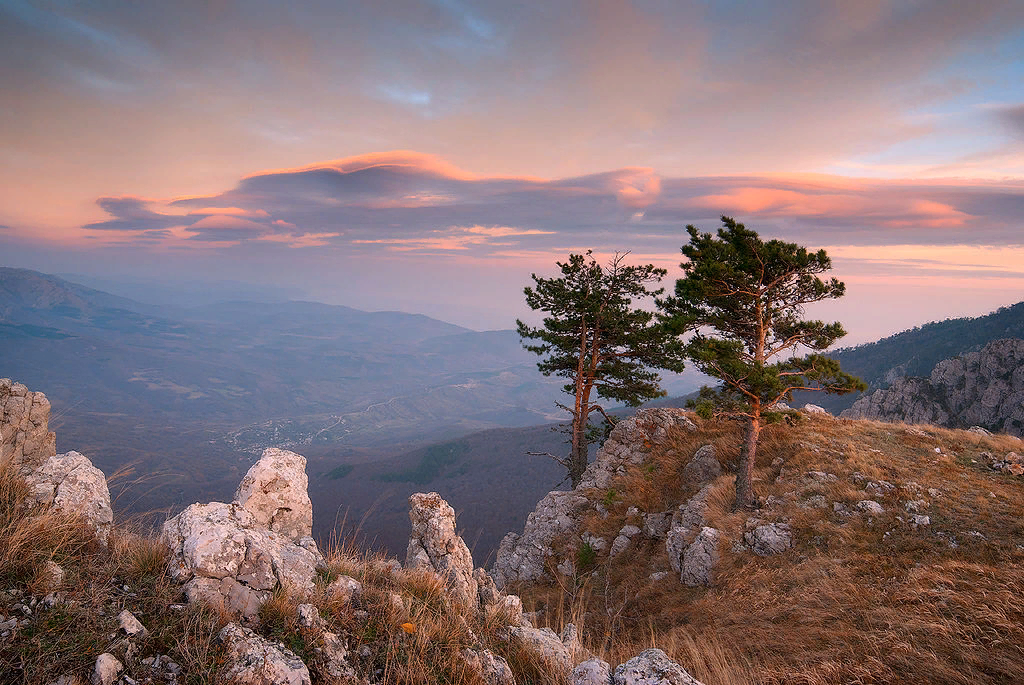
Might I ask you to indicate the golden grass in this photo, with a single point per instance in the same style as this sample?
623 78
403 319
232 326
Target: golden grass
856 599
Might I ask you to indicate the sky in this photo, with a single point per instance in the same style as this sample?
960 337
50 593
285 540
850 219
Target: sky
428 156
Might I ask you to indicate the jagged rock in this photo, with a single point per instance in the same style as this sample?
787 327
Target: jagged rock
106 670
521 558
622 540
879 487
915 506
768 539
71 484
487 591
978 430
433 544
253 660
275 491
571 640
652 667
984 388
25 437
918 520
870 506
331 647
657 525
629 443
700 558
595 543
546 645
131 626
692 513
814 409
703 467
226 556
491 668
345 589
592 672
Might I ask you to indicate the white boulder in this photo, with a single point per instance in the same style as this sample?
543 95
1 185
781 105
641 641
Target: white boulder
434 544
275 491
71 484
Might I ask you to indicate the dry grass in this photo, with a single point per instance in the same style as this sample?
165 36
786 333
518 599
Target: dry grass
857 599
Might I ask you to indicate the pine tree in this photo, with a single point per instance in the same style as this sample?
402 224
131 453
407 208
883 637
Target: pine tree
745 299
595 336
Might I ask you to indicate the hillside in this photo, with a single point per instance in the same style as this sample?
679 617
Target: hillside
882 553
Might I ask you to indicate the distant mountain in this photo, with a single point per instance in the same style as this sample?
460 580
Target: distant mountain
198 393
916 351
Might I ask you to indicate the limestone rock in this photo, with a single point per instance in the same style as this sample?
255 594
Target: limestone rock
657 525
870 507
622 540
571 640
652 667
982 389
546 645
676 542
692 513
71 484
253 660
131 626
629 443
487 591
52 576
106 670
521 557
224 554
592 672
275 492
25 437
345 589
768 539
490 667
434 544
700 558
814 409
703 468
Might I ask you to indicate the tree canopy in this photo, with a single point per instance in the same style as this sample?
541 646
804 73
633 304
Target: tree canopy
597 337
745 299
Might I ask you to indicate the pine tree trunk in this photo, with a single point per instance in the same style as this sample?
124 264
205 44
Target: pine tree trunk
578 457
745 474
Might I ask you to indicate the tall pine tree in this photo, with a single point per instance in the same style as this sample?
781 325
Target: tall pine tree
595 336
745 299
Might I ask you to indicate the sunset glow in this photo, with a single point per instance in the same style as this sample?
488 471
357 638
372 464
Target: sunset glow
428 155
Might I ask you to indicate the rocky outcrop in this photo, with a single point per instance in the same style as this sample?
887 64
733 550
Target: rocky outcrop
491 668
274 491
71 484
983 388
25 436
434 544
547 645
652 667
225 556
629 443
768 539
253 660
523 557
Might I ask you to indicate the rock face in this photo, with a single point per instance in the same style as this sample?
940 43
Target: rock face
71 484
700 558
522 557
652 667
629 443
25 436
547 645
274 491
703 468
433 544
983 388
227 556
253 660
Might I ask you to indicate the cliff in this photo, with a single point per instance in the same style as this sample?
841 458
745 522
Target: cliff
983 388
